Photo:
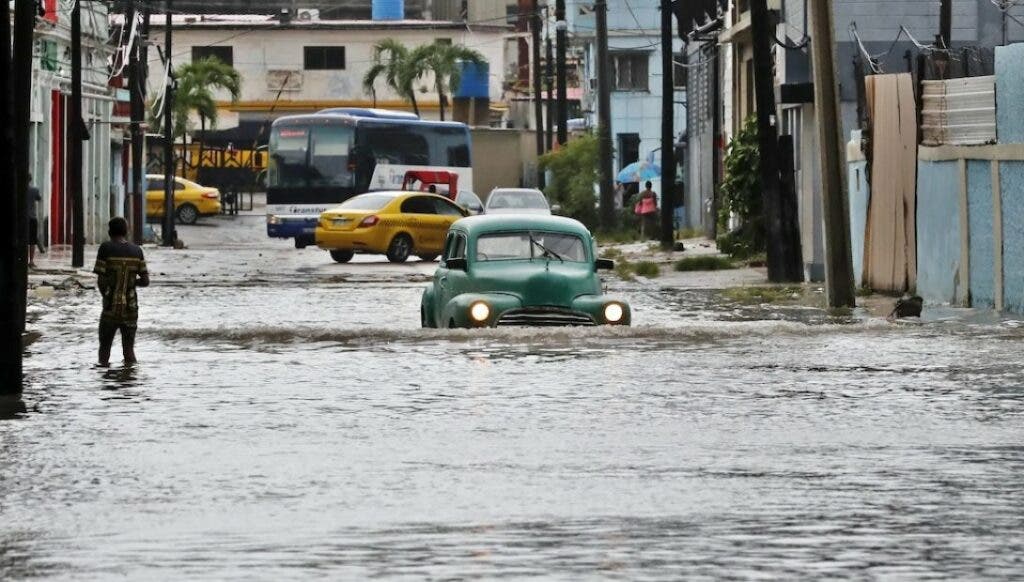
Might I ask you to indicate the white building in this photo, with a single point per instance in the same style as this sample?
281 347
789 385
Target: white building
102 170
306 64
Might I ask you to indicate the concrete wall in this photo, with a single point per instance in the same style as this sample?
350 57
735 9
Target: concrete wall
503 158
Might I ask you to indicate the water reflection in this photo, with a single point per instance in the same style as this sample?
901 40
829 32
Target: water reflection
12 407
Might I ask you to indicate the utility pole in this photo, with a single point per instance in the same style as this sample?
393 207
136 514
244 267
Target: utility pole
137 105
74 142
604 117
15 91
168 223
549 75
784 265
561 47
838 264
668 138
538 93
945 37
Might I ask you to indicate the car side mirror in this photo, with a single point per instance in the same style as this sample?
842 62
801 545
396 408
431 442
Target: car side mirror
604 265
456 264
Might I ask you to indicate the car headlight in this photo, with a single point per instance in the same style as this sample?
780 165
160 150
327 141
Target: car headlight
613 313
480 311
273 219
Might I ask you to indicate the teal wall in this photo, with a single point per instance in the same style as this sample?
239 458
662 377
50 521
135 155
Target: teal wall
938 231
982 237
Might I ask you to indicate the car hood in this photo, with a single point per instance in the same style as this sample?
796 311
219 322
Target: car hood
541 211
537 282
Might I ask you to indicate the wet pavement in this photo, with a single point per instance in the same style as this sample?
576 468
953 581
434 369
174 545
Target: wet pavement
289 420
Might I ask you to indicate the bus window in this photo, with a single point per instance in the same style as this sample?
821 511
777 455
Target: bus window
397 145
329 162
287 167
450 147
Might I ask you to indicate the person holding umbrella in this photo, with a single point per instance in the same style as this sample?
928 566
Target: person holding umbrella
646 207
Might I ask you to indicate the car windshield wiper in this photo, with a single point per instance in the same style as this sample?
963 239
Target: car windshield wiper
547 252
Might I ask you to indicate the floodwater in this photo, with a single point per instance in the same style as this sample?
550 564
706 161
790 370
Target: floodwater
289 420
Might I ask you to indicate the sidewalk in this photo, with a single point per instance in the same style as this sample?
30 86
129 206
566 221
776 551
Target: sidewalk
650 251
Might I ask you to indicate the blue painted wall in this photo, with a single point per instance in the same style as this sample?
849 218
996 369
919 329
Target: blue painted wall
860 194
982 238
938 230
1012 174
1009 93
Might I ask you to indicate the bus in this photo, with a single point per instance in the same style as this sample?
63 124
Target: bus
319 160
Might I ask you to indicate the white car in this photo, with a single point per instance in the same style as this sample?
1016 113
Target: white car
517 201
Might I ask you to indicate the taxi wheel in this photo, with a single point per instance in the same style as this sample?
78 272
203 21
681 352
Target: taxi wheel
400 249
187 214
342 256
428 258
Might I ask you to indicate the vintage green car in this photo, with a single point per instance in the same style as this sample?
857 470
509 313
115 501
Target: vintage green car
520 270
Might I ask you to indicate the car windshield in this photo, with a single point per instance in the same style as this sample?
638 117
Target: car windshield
367 202
508 246
517 199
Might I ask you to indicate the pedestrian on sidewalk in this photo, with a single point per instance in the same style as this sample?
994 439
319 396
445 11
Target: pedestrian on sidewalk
33 198
646 208
120 268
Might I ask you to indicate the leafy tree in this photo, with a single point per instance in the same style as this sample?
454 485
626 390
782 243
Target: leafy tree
741 194
445 61
574 172
393 61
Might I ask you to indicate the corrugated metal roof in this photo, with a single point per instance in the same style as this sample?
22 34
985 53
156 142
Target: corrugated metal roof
959 111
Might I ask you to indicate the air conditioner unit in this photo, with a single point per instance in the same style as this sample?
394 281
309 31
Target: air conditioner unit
307 14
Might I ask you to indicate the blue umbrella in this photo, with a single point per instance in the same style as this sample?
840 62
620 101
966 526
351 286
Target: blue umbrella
639 172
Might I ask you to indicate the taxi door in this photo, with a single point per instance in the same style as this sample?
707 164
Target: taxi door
447 212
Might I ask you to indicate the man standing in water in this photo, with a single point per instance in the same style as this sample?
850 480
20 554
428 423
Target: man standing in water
32 201
120 268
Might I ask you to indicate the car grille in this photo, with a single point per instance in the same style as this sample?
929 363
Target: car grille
544 317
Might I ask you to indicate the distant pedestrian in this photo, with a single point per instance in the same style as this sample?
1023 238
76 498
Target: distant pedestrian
120 268
32 200
646 208
432 189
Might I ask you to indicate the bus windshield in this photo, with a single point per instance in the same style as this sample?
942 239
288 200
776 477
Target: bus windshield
305 156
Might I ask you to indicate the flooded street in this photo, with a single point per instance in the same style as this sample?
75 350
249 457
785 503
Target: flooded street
289 419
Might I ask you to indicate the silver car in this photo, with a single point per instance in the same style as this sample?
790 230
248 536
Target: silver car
517 201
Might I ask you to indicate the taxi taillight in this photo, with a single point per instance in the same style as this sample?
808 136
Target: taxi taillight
371 220
212 195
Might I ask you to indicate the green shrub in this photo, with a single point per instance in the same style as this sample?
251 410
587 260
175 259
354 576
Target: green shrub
573 170
704 263
741 194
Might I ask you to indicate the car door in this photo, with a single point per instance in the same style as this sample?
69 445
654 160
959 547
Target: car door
450 283
155 197
416 212
447 212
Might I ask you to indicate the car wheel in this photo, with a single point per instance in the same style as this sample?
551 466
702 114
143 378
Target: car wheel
342 256
428 258
400 249
187 214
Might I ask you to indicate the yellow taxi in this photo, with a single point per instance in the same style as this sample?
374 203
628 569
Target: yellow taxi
191 200
395 224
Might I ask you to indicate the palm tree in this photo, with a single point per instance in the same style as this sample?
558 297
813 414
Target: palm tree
197 82
393 60
445 61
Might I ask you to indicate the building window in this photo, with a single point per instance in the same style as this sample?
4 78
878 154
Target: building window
679 71
324 58
631 71
224 54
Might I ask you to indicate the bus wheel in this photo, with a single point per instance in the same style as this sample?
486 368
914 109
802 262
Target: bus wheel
399 249
342 256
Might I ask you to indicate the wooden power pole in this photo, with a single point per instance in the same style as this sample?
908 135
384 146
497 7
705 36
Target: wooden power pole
561 46
538 91
668 137
74 142
604 117
784 263
838 262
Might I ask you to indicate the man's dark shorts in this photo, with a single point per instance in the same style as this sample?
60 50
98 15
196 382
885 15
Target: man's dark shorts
33 231
109 329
